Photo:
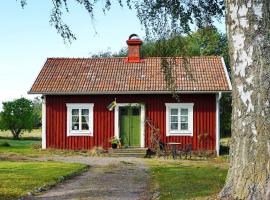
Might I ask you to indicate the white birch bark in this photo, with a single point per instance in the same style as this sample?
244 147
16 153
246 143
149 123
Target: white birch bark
248 27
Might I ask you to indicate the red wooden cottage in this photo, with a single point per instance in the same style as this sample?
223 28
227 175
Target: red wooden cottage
77 92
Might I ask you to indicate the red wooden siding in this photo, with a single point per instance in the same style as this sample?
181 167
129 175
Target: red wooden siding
204 119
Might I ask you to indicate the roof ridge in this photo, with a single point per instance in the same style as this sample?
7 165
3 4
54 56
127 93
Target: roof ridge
108 58
79 58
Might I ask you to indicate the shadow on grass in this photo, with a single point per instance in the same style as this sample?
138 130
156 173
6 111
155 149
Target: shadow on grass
224 150
20 139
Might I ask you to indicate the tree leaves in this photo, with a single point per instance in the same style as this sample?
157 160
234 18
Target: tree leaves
160 18
17 116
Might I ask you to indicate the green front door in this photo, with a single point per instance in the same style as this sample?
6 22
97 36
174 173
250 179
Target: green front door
130 131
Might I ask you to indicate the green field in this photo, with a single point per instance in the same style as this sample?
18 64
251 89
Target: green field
187 179
35 133
19 178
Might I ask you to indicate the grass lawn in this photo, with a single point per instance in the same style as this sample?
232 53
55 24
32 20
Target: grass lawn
23 146
187 179
31 147
19 178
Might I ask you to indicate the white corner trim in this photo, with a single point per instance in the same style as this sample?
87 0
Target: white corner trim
116 120
43 144
218 97
226 73
89 106
142 125
190 119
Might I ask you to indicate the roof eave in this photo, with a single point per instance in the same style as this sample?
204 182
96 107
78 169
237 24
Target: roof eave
129 92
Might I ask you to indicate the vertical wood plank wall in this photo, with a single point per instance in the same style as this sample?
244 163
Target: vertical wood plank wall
204 119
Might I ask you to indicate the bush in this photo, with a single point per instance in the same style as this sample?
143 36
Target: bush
5 144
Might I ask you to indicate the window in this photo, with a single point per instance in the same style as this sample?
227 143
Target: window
80 119
179 119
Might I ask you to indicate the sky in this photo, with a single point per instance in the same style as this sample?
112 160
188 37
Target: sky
27 39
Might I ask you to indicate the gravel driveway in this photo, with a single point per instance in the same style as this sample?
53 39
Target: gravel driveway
107 178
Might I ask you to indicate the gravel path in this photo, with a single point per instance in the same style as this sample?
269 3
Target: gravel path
107 178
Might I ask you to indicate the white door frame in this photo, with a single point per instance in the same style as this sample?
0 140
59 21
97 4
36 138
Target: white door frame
116 119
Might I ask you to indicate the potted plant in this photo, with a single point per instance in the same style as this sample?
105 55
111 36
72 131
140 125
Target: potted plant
115 142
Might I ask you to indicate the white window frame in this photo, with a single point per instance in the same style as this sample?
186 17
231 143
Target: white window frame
80 106
179 132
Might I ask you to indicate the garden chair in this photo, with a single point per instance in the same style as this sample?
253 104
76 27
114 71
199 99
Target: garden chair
186 150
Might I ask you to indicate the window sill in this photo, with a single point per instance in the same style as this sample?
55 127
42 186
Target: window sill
180 134
79 134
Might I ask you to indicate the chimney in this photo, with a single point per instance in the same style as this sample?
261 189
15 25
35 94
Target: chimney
134 43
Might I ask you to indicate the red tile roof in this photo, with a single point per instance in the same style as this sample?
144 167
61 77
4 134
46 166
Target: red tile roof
115 75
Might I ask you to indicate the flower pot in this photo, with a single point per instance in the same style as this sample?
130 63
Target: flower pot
114 146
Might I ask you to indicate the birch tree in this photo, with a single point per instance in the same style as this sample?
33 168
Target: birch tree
248 27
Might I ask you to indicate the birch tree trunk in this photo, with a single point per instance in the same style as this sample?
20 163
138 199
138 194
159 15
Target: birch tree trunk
248 27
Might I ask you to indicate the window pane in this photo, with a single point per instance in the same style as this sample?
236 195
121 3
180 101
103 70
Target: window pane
85 119
136 111
75 126
174 119
123 111
75 119
85 111
85 127
174 126
184 119
75 111
184 111
174 111
184 126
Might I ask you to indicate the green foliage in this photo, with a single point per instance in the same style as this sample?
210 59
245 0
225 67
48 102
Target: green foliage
114 140
19 178
225 115
37 112
204 42
109 54
17 116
